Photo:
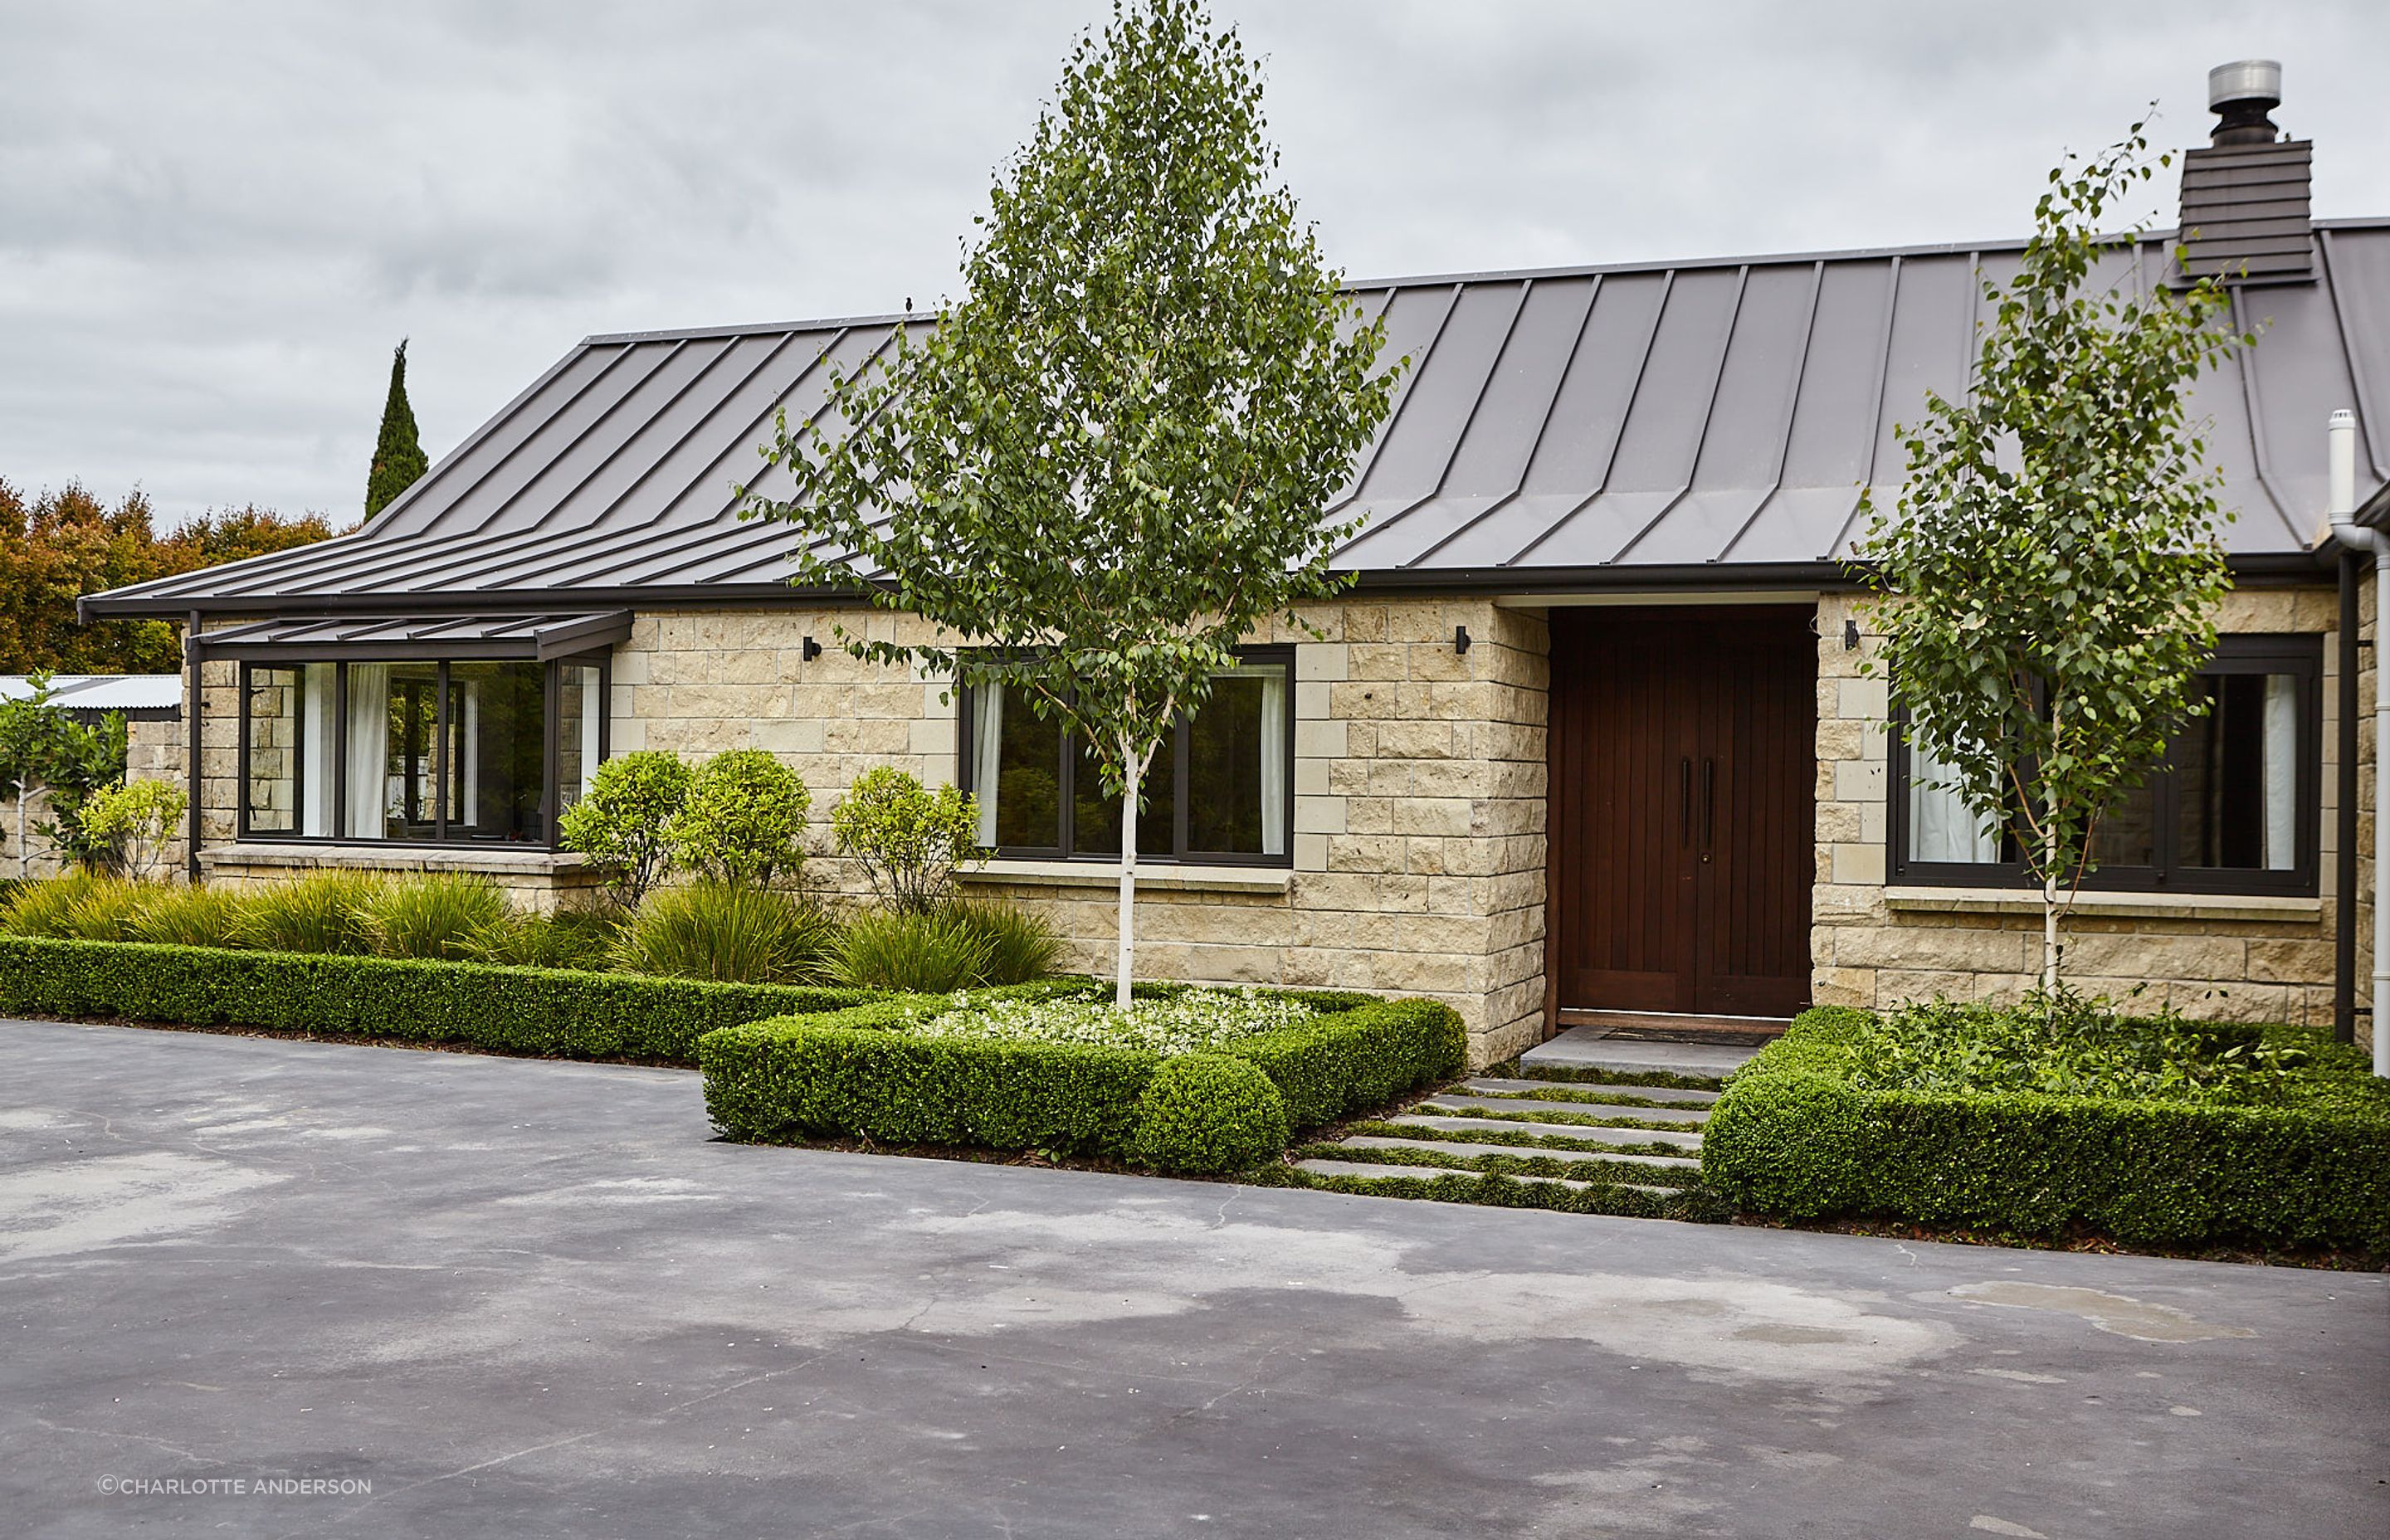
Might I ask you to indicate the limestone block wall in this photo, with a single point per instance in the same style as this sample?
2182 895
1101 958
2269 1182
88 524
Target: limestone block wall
2266 959
1418 845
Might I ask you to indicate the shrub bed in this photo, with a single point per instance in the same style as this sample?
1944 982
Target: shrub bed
531 1011
864 1071
1821 1126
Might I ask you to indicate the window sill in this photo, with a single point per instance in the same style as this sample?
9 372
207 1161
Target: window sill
2010 901
1160 877
514 860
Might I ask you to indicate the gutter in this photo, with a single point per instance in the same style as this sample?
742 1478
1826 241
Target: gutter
2364 540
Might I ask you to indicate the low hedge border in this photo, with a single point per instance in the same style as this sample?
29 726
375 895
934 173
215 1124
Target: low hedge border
852 1073
1793 1138
540 1011
1694 1204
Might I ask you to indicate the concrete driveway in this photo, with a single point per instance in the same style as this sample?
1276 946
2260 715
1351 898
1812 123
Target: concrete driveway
241 1280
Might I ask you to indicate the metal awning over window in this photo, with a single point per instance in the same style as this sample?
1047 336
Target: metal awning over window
400 638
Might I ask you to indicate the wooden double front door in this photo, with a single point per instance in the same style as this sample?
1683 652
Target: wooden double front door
1683 780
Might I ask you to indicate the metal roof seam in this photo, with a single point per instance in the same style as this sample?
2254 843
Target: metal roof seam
2341 304
1875 424
1404 389
604 370
1798 376
447 463
2242 359
1610 456
1535 444
1709 410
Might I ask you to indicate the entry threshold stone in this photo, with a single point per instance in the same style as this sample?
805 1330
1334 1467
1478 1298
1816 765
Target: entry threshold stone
1471 1151
1373 1171
1580 1048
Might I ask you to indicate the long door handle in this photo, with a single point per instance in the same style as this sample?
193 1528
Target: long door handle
1684 802
1709 804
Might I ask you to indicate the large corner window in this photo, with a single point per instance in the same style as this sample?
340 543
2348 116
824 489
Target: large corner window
2233 809
462 751
1218 791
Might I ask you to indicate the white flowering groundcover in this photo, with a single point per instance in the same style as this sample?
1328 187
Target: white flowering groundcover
1189 1022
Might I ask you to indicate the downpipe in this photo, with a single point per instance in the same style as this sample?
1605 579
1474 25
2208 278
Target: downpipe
2372 541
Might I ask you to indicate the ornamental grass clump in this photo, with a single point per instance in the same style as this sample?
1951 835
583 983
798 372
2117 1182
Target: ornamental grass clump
48 907
1193 1020
435 914
197 916
728 931
320 912
583 941
935 952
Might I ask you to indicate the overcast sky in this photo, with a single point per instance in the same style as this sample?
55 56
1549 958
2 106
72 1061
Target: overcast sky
216 219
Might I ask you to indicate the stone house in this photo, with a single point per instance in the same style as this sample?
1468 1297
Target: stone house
1586 740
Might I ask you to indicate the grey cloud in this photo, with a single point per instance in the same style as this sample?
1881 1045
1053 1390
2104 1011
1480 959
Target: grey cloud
215 218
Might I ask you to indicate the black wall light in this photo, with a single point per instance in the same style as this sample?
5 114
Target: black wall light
812 649
1850 635
1460 638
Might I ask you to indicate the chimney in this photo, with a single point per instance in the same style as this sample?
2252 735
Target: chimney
2244 193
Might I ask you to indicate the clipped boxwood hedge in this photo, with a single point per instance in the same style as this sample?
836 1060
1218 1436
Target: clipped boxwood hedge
851 1073
528 1010
1792 1138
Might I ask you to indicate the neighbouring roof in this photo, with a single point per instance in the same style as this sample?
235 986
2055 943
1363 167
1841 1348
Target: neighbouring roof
138 696
1708 423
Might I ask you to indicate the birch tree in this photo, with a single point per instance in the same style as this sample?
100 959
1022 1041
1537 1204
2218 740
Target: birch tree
1109 459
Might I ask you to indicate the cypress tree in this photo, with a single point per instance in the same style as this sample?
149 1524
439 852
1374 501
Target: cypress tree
398 461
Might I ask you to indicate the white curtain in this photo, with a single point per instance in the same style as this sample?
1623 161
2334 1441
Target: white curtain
987 755
2282 771
593 718
1941 825
1274 762
369 755
315 731
468 814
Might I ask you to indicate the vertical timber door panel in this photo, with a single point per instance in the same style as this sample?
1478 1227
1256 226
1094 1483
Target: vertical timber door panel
1683 771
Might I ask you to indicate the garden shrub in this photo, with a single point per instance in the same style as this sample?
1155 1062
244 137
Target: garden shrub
135 821
541 1011
187 916
622 824
875 1072
320 912
1208 1112
743 819
728 932
908 839
1813 1128
432 914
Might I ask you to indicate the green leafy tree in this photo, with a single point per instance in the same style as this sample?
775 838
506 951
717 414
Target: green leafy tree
398 461
2051 578
743 822
1109 460
908 839
136 821
624 823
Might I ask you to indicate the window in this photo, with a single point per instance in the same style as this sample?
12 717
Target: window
471 750
1218 791
2233 809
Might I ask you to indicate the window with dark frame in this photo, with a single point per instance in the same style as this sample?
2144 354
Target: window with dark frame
2233 809
469 752
1220 792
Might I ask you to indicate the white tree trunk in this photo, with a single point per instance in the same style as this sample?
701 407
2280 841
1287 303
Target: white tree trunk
20 830
1124 965
2049 909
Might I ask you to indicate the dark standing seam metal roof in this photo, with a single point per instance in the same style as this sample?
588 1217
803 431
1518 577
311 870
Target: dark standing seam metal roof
1708 422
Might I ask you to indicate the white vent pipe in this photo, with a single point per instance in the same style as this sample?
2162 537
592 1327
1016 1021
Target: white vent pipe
2342 434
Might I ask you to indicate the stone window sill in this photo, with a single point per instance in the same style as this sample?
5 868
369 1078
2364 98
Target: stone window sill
1160 876
496 860
2008 900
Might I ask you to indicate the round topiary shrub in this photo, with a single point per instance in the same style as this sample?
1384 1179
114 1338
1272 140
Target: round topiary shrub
1208 1112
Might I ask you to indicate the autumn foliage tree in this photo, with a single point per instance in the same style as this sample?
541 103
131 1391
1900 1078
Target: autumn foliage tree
62 545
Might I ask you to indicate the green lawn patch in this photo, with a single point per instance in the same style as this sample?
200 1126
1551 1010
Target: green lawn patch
1244 1069
2151 1131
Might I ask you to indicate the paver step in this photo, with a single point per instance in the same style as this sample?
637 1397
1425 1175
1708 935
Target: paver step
1590 1131
1453 1102
1371 1171
1580 1048
1590 1091
1460 1150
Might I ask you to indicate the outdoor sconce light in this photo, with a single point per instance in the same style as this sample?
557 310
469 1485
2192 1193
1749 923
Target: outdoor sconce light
1460 639
812 649
1850 635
